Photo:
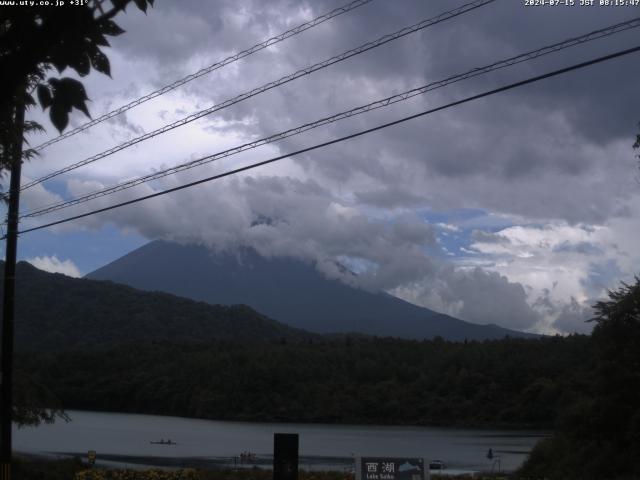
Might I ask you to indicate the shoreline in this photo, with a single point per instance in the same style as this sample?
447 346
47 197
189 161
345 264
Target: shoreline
312 462
124 440
329 464
540 430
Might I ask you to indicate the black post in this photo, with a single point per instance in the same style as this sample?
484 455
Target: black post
285 456
8 306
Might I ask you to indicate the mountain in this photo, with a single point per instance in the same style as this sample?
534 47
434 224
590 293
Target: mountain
55 312
289 290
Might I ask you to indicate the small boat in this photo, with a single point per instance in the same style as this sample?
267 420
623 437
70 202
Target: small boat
437 465
247 457
163 442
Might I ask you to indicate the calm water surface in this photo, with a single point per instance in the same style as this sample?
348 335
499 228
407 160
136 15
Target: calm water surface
115 435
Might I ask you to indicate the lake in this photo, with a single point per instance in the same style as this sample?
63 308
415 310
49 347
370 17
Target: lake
125 439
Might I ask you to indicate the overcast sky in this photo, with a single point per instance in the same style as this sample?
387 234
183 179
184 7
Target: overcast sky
518 209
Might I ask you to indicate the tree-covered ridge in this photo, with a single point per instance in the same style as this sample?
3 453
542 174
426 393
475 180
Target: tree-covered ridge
56 312
510 382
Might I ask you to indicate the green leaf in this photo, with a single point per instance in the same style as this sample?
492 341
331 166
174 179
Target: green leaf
28 100
81 64
68 93
44 96
75 93
99 39
59 116
29 153
83 108
120 3
100 62
30 126
58 63
71 89
141 4
111 28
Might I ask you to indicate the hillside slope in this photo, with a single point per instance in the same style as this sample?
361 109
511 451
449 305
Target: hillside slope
288 290
55 312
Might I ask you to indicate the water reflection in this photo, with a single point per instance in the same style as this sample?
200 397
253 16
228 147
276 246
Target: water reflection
204 443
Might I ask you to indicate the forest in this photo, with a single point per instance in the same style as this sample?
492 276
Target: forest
510 382
583 388
231 363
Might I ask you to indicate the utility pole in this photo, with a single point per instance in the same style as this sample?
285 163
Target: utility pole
8 306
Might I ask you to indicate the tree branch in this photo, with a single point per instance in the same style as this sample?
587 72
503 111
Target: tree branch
113 12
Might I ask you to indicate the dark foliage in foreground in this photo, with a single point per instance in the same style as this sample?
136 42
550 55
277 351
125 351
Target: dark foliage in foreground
73 469
39 469
599 436
511 382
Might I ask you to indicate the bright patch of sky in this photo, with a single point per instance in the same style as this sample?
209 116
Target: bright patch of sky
87 249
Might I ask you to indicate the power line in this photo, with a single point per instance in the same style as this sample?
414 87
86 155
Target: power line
288 78
347 137
233 58
268 86
597 34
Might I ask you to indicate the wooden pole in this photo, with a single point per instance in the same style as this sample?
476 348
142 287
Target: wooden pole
8 306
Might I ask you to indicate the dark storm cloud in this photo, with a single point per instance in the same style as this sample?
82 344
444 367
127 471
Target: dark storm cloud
598 100
520 135
389 198
558 150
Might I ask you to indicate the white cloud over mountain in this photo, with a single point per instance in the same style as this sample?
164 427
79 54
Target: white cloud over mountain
53 264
